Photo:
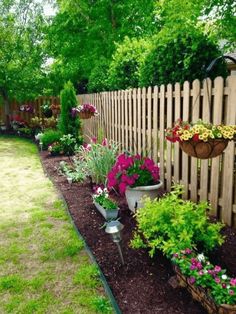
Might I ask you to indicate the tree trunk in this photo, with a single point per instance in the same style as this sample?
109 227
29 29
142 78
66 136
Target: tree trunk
6 107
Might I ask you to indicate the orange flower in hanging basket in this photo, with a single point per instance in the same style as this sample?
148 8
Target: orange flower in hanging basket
201 140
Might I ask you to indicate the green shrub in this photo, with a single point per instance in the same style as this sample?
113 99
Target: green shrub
171 224
68 143
49 137
68 124
124 68
178 56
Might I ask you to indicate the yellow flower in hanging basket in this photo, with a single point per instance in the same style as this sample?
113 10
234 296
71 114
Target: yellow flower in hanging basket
200 139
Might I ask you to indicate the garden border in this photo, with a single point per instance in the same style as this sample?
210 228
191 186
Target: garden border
87 248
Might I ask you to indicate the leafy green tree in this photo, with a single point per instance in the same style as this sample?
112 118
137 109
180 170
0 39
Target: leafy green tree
21 52
68 124
179 56
127 59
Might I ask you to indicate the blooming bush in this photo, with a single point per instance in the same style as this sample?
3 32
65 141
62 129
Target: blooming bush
132 171
199 131
201 272
101 197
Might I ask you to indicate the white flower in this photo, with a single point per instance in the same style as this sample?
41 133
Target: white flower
99 190
224 277
105 190
105 195
201 257
228 286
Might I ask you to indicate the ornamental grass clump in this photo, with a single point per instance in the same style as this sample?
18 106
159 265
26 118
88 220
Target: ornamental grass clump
199 131
132 171
171 224
200 272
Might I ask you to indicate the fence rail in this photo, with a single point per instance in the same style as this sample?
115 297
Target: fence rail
137 119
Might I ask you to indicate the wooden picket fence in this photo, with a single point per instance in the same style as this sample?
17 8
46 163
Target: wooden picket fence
137 119
27 116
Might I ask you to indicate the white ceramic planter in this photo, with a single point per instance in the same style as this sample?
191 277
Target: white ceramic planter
134 195
107 214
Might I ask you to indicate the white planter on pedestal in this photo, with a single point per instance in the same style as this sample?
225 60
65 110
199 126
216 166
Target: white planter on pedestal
134 195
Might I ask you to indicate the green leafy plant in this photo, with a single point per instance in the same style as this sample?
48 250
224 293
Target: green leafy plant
55 149
68 123
68 143
49 137
75 171
171 224
101 197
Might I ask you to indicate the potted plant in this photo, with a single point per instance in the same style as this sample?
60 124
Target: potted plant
207 283
86 111
135 176
201 140
107 207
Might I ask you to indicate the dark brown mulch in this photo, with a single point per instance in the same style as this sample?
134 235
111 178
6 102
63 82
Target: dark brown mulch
141 286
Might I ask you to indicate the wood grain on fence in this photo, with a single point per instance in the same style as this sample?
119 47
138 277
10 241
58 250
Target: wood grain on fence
138 118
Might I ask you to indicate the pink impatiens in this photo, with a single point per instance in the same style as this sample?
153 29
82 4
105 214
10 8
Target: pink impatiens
132 170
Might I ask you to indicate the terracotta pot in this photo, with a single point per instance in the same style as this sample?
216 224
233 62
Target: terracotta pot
86 115
134 195
204 150
200 294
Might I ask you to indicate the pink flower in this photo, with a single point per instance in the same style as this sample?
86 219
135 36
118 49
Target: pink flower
231 292
122 187
188 251
104 142
223 285
201 272
233 282
217 280
94 140
193 267
217 269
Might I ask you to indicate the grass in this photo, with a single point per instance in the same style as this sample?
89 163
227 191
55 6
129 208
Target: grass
43 265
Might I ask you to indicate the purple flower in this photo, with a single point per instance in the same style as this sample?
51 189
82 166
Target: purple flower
191 280
193 267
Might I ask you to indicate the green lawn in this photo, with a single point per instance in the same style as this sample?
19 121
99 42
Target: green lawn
43 265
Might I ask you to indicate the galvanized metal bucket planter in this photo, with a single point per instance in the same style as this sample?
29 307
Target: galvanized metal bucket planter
108 214
200 294
134 195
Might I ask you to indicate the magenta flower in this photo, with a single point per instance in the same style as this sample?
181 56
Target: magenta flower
191 280
104 142
223 285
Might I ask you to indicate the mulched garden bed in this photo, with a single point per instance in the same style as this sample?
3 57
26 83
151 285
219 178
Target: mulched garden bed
141 286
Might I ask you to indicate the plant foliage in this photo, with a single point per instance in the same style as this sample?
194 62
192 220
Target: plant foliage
171 224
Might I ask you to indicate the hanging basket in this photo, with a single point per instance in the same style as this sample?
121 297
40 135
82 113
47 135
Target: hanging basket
86 115
204 150
200 294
